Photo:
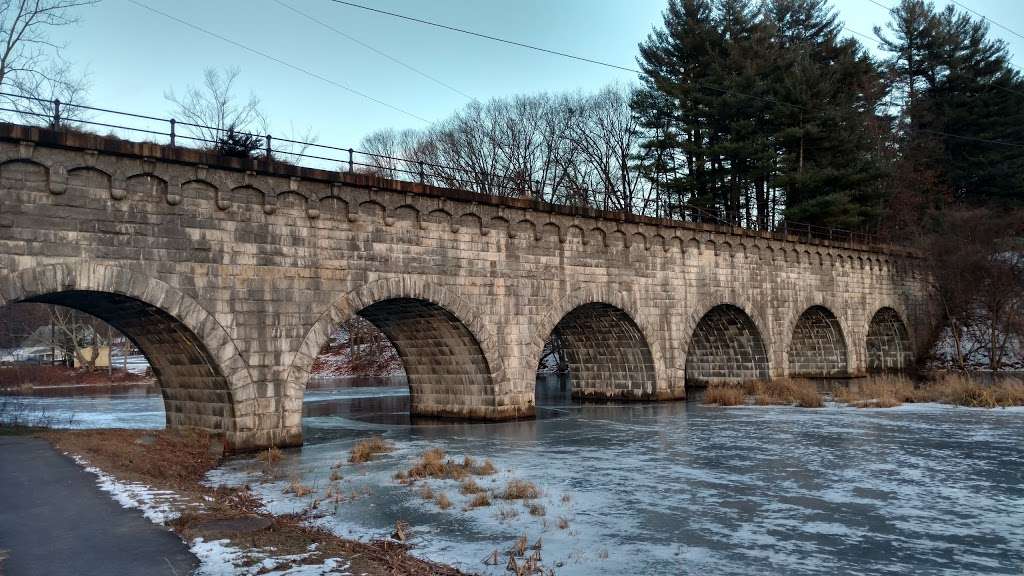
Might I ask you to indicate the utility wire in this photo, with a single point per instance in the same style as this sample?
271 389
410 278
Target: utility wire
305 71
486 36
976 13
374 50
1009 62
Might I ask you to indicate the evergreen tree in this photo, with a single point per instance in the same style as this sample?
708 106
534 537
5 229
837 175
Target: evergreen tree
961 107
757 106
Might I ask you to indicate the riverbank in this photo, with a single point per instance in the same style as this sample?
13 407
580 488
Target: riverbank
162 473
882 391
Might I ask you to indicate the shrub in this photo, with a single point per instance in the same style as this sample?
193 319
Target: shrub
367 450
520 490
469 486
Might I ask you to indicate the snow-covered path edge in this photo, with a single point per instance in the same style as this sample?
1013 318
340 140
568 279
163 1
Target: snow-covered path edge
216 557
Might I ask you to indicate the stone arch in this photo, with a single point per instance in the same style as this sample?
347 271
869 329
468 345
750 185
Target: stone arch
600 308
607 354
450 356
726 346
888 345
817 345
203 378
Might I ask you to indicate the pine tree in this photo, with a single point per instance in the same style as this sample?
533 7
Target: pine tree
763 105
961 107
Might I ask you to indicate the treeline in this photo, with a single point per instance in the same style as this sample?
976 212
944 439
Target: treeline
757 112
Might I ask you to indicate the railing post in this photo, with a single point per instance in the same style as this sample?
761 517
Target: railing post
173 135
350 164
56 113
423 178
269 148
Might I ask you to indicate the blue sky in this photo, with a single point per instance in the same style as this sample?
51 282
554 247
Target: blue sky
133 56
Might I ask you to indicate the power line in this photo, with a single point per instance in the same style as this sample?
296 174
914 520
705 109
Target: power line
615 66
278 60
374 50
976 13
488 37
1009 62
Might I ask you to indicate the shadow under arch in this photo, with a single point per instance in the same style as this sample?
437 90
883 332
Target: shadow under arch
449 356
817 345
203 379
594 305
607 354
887 344
726 346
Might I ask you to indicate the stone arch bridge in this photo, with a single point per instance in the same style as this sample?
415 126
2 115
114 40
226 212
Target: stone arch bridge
229 274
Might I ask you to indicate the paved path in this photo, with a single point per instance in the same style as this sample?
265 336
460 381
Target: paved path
55 521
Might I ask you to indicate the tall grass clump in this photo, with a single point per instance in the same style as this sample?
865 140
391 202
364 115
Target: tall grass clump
367 450
882 391
725 395
786 392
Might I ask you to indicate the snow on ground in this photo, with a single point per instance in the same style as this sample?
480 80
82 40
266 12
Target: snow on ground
159 506
216 558
219 558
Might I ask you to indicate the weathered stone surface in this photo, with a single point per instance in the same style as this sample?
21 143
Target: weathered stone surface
231 274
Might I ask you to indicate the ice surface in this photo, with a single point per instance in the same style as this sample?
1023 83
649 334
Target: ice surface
686 489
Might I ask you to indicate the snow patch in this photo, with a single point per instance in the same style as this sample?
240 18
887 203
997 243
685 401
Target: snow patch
159 506
220 558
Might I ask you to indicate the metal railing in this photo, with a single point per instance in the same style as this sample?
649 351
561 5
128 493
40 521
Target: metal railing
54 114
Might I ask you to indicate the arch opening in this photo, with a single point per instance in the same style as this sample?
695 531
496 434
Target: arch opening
726 347
446 370
604 353
888 343
817 348
195 392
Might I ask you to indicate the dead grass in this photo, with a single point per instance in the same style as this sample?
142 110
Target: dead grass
179 460
888 390
485 469
270 455
562 523
167 459
480 500
367 450
442 501
884 391
426 492
536 509
520 490
786 392
434 463
777 392
469 486
297 488
725 395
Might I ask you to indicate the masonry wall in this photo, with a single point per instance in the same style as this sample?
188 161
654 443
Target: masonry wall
259 262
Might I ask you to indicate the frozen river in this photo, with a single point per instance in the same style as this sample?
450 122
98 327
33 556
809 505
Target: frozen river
670 488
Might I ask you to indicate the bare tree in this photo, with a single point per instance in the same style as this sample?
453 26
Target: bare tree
570 149
32 64
977 274
214 115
